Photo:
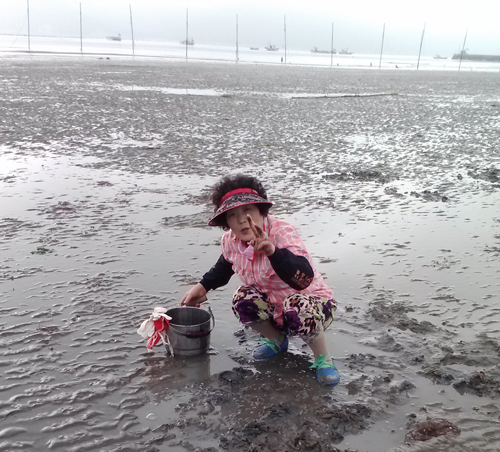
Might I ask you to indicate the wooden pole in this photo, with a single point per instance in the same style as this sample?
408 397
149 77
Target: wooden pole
132 30
285 35
237 56
331 56
29 34
463 50
187 31
81 30
421 42
382 48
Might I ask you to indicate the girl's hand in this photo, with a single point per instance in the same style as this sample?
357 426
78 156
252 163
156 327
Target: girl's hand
261 241
196 295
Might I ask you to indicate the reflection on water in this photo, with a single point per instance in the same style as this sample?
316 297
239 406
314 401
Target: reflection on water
166 373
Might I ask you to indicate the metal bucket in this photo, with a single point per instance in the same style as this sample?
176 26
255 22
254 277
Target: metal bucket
189 330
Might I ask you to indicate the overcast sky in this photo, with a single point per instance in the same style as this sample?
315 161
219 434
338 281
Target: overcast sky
358 24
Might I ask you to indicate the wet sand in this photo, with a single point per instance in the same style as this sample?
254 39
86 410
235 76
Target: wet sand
393 181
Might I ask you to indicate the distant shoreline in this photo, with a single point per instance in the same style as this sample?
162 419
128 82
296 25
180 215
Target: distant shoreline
173 51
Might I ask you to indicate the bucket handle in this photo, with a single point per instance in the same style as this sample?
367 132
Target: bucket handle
198 334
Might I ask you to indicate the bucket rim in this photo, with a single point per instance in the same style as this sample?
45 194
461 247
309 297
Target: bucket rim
210 317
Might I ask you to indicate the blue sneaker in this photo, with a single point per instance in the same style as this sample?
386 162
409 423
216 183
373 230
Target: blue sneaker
269 348
326 371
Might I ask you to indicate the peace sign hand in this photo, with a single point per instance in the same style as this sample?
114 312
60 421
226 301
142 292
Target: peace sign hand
261 241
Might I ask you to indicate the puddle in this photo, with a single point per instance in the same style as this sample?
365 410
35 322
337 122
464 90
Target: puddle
175 91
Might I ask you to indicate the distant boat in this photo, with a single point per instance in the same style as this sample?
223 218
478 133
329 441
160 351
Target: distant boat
329 52
272 48
189 42
345 52
467 56
439 57
254 48
118 37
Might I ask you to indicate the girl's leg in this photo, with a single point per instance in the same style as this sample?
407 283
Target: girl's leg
251 308
265 328
318 346
307 317
274 340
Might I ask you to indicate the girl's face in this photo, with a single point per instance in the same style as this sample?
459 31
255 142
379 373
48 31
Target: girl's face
237 220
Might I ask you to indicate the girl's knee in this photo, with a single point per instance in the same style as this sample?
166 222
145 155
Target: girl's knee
250 305
305 316
300 302
246 292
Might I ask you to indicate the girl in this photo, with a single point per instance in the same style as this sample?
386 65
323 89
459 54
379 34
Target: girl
282 293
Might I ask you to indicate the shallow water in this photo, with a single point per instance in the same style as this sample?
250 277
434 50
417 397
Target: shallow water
395 196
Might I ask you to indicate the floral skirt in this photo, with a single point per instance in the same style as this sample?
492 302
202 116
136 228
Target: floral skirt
304 315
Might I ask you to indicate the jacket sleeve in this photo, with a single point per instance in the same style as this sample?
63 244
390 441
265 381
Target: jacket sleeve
296 271
219 275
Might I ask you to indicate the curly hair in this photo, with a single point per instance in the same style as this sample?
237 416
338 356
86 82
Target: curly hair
232 182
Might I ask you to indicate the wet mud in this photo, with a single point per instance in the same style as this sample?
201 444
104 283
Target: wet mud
105 168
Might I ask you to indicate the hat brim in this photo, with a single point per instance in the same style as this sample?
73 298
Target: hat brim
241 199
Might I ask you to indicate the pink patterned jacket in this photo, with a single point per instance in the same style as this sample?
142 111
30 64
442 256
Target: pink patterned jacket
260 274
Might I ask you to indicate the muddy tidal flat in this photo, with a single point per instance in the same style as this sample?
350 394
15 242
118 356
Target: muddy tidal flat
393 180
